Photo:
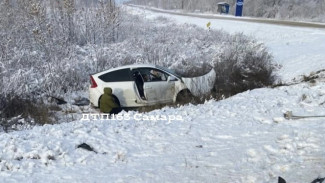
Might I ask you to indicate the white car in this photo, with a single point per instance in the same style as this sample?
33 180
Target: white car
141 85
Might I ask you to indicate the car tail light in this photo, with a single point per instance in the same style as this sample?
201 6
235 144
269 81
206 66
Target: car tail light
93 82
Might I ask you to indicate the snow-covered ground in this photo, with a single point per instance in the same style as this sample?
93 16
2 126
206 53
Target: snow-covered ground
240 139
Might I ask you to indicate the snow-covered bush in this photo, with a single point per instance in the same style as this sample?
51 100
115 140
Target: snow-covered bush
39 42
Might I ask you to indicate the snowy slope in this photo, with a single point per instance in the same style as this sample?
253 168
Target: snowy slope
299 50
241 139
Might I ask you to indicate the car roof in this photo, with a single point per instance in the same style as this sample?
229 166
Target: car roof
127 67
137 66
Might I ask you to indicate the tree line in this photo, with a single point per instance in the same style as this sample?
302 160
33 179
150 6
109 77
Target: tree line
309 10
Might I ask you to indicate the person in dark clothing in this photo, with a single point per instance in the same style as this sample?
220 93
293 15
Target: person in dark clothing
108 103
139 82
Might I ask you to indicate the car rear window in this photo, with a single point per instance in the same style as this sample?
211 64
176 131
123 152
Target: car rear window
116 76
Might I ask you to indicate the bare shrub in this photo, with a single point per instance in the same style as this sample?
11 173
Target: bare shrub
244 66
14 108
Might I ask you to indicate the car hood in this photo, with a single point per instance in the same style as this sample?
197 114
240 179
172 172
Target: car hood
201 85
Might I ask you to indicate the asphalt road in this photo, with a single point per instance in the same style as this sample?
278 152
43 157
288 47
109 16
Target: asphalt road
243 19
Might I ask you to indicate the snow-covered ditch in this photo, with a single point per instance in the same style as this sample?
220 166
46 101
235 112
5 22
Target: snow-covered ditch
241 139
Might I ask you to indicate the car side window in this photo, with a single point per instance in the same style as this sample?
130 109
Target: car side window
156 75
117 76
152 75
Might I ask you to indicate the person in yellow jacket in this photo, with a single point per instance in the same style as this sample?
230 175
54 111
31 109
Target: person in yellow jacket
107 102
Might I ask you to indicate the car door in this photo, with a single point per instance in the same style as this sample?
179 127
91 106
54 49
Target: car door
156 87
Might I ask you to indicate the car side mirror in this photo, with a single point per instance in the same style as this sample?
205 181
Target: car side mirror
171 78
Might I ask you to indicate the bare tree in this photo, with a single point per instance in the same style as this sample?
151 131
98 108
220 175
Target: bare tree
36 36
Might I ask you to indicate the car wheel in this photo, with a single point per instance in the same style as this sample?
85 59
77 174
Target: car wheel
184 97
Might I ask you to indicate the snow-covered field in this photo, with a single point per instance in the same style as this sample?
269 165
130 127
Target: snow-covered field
240 139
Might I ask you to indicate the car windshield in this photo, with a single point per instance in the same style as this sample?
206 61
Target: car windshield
169 71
